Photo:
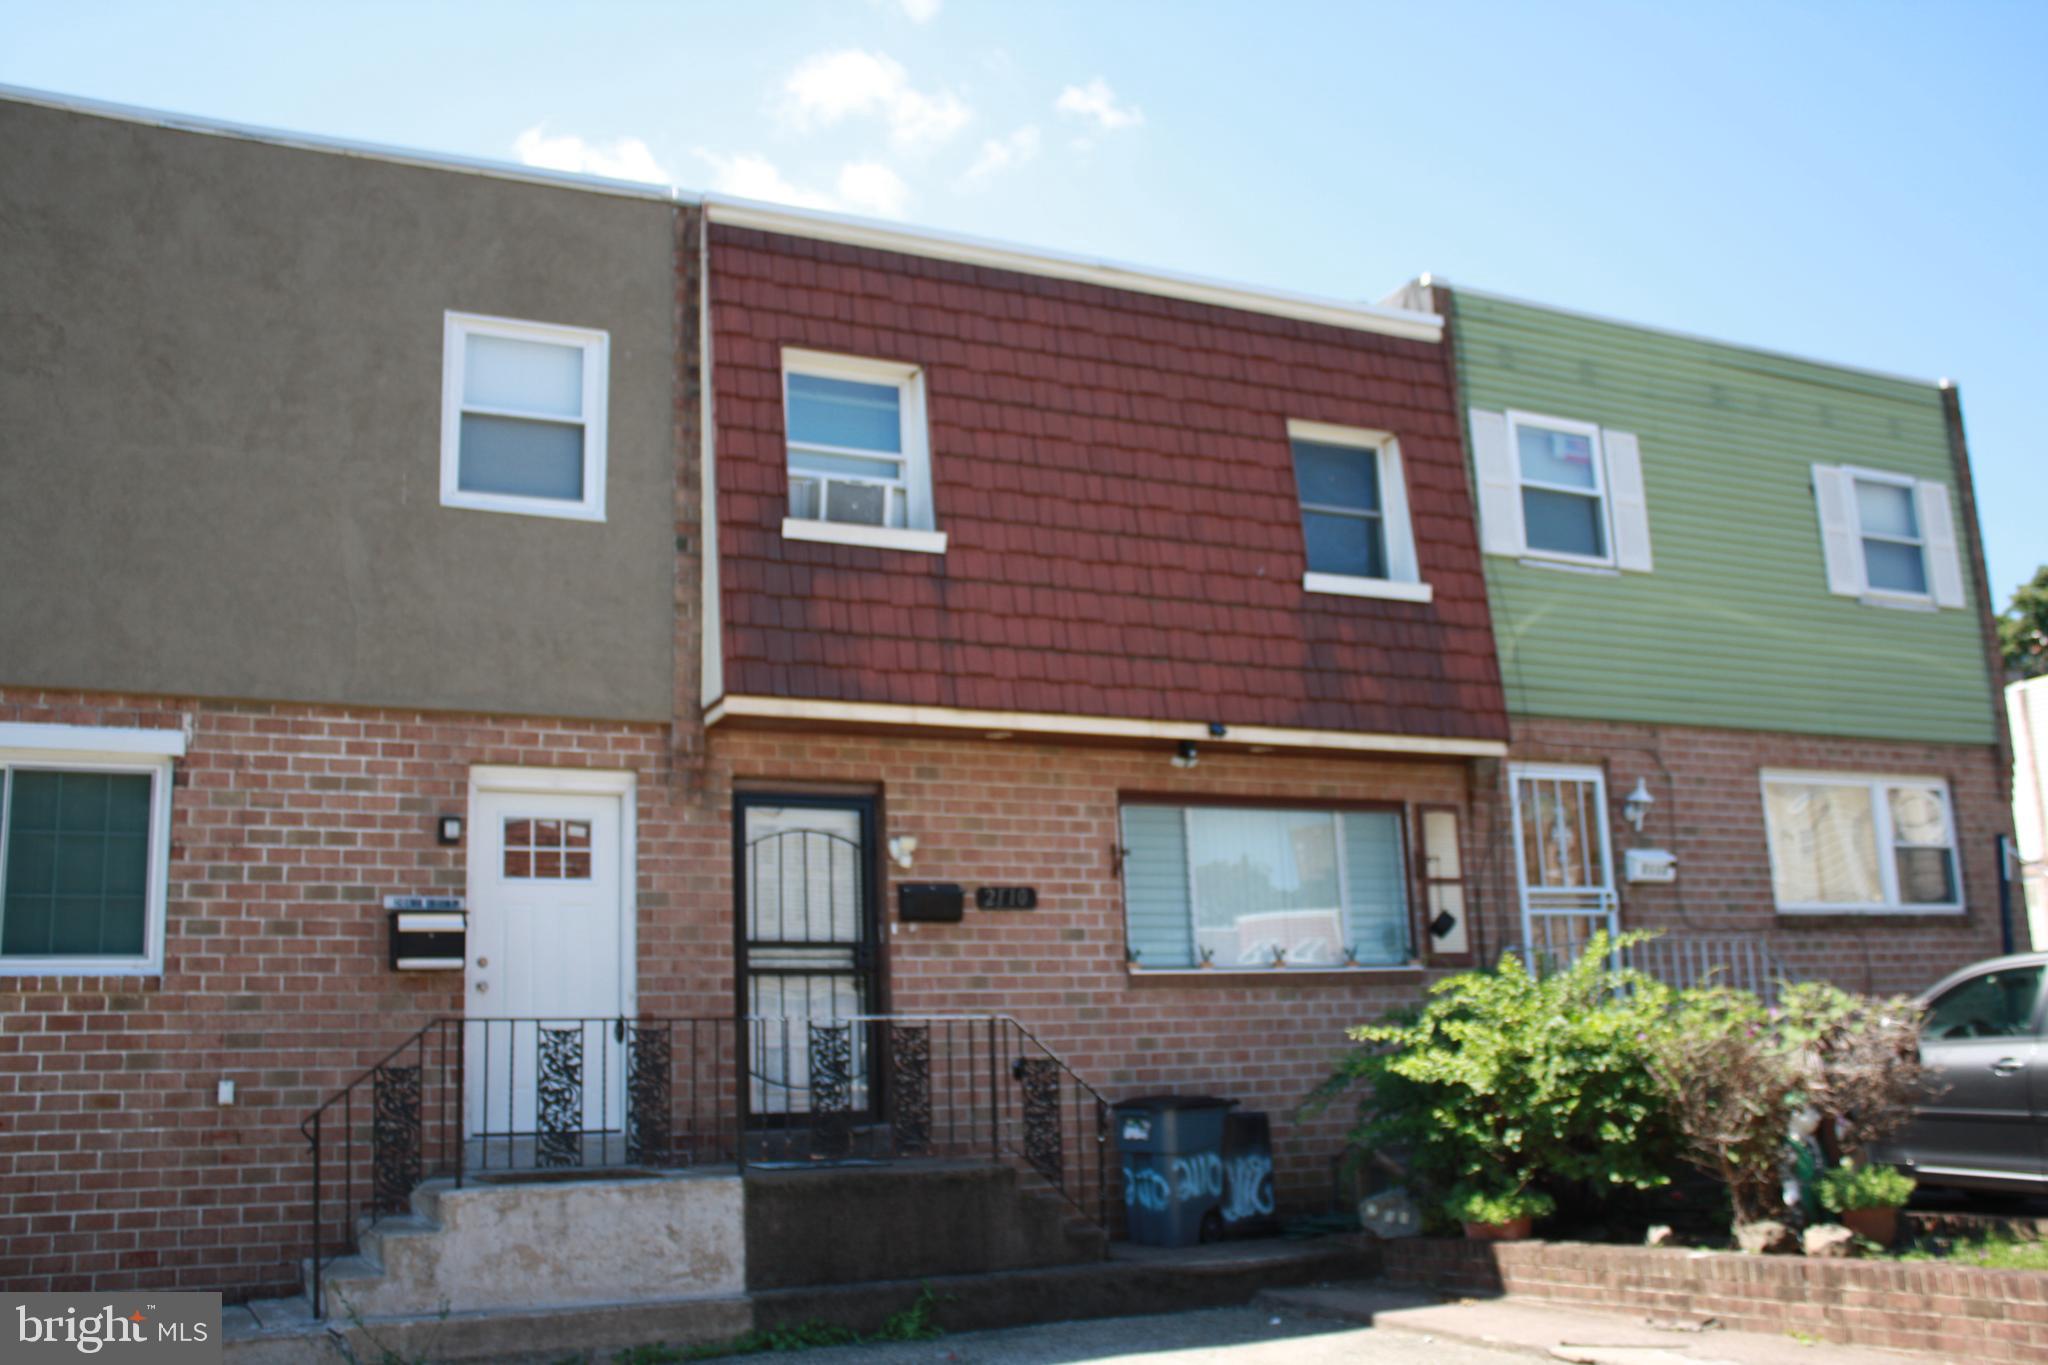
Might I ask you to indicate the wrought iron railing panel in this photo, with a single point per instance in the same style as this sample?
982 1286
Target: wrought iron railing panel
475 1098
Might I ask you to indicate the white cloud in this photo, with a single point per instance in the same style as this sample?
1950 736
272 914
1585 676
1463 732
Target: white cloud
1001 153
871 187
1097 101
835 85
919 11
861 186
628 158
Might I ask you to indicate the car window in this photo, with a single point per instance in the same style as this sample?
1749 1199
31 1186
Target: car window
1995 1005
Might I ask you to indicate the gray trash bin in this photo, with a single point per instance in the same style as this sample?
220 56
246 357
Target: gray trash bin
1172 1152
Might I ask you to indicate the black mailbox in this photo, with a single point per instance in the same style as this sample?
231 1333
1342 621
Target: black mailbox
428 933
930 902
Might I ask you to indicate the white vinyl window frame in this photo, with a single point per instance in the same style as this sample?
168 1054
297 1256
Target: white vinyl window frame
1886 839
1403 582
918 533
1592 899
1599 492
1889 596
96 749
595 346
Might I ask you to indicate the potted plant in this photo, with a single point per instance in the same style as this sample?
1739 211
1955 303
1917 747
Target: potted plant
1867 1199
1506 1217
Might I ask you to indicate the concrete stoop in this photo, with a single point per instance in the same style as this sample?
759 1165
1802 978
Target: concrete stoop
1131 1281
486 1246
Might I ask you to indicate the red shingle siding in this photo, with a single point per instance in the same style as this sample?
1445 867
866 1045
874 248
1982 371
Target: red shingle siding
1112 470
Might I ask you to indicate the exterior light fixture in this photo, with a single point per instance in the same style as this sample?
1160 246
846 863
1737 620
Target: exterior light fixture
448 829
1636 808
902 849
1184 755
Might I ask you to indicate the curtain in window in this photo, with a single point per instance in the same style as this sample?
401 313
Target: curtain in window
1259 888
1823 844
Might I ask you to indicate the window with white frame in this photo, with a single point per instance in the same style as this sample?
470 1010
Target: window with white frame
1888 527
1355 530
1258 888
84 849
1563 489
1850 843
523 417
1887 538
1560 492
858 452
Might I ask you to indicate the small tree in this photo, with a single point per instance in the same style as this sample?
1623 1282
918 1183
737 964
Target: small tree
1736 1073
2023 629
1861 1061
1732 1090
1503 1077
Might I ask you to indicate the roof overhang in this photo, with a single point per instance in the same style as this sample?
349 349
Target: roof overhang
743 712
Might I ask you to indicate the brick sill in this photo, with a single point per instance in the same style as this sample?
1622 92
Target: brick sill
1172 978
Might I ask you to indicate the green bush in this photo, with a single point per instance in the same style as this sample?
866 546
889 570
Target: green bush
1470 1204
1865 1187
1503 1077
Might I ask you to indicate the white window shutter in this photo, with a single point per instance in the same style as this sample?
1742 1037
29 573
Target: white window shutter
1944 564
1832 498
1500 494
1631 506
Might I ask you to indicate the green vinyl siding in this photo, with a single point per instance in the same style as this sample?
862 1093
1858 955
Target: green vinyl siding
1735 626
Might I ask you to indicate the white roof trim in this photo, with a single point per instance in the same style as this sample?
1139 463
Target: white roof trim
843 228
881 236
1722 343
92 739
1102 727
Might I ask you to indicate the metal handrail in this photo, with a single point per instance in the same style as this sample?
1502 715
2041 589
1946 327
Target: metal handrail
651 1103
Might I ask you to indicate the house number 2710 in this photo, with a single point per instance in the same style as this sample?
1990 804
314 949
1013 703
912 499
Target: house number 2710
1006 898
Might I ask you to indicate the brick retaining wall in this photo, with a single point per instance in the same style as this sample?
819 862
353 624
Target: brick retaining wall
1960 1311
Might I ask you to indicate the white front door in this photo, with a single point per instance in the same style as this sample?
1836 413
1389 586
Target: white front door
547 977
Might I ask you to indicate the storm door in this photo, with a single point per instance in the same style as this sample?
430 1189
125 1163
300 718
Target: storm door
809 960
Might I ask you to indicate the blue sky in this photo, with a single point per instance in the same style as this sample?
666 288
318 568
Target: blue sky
1865 182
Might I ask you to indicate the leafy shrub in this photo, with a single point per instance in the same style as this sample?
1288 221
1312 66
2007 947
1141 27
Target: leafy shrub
1850 1186
1503 1077
1735 1073
1470 1204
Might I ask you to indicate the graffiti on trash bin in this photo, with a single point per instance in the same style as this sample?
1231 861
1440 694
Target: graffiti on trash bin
1199 1176
1251 1188
1145 1189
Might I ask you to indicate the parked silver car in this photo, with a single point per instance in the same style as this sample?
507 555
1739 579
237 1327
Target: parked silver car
1985 1046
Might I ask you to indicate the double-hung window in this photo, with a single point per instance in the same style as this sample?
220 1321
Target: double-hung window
1560 492
523 417
1887 538
858 452
1847 843
84 849
1563 489
1888 527
1255 888
1354 513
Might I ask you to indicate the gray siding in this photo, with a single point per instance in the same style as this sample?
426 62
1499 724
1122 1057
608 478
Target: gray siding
220 393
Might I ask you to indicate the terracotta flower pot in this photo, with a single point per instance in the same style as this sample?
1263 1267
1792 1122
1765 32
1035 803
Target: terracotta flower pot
1879 1225
1516 1231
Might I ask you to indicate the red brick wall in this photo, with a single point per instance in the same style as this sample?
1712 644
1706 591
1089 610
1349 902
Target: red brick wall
1047 815
1962 1312
1113 472
289 824
1709 811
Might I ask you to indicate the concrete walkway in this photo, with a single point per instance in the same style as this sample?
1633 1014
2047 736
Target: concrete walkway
1360 1324
1572 1334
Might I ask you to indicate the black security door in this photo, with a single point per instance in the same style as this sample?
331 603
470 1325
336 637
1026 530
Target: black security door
809 960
